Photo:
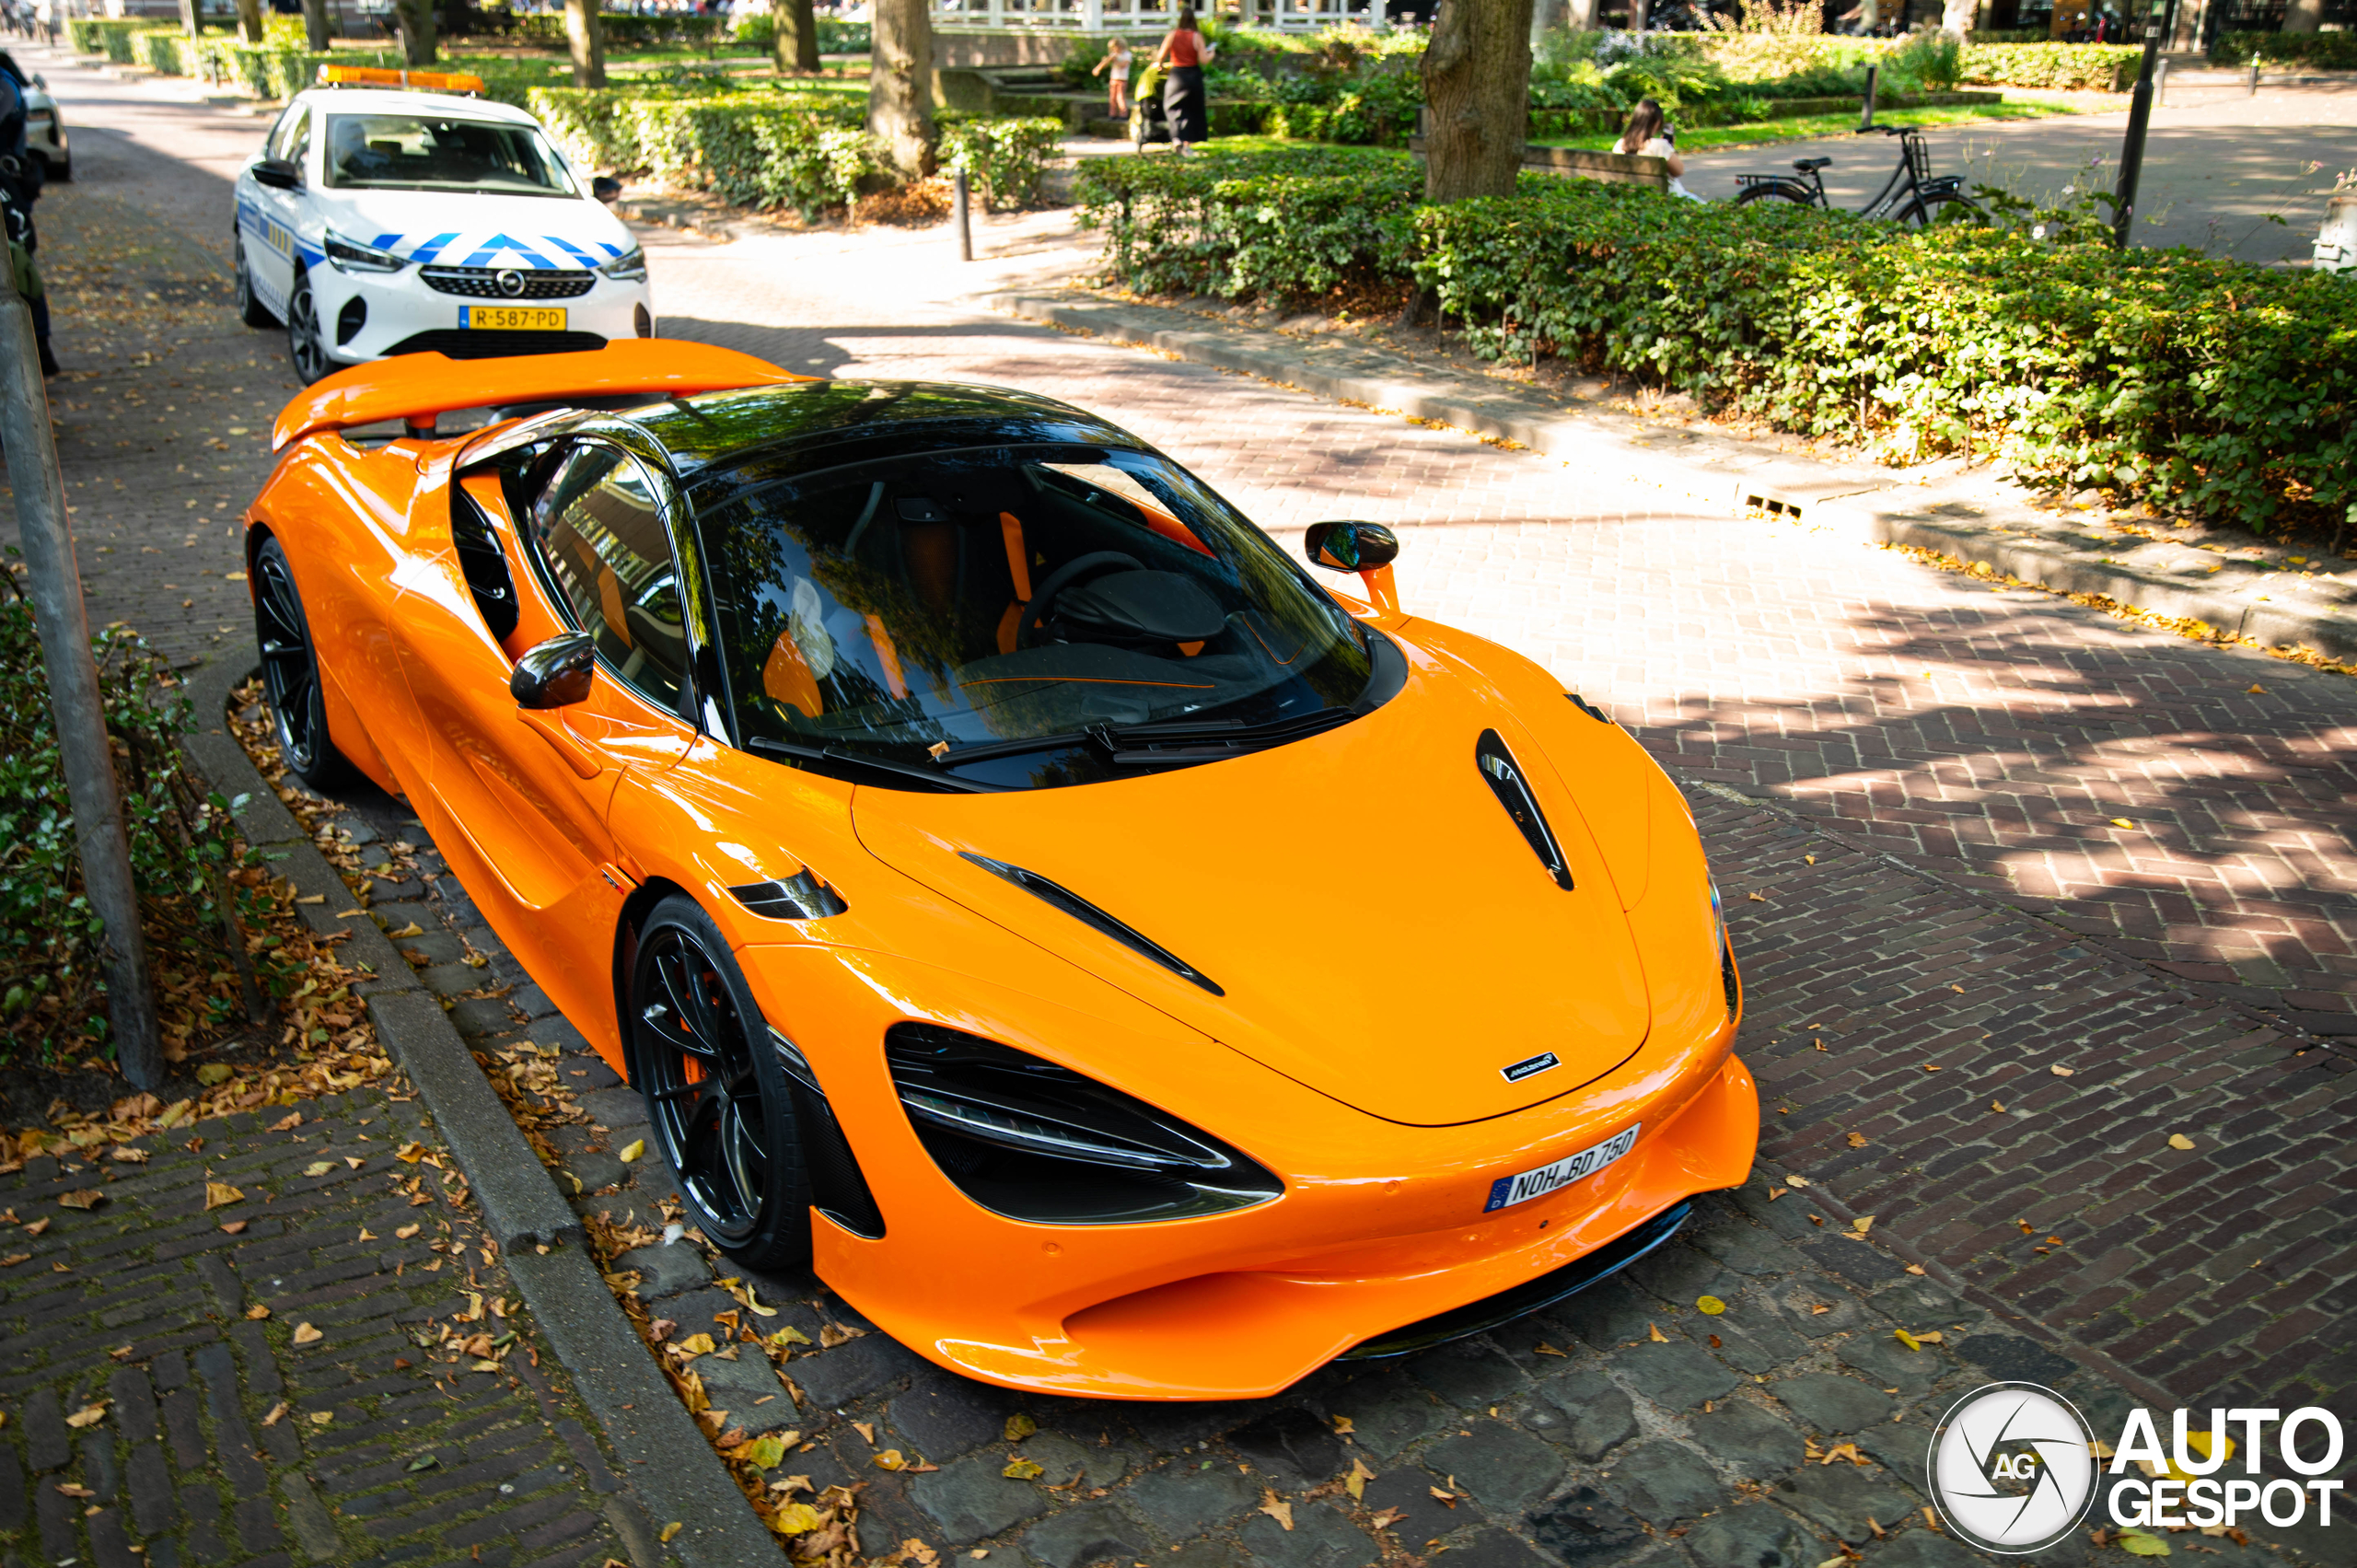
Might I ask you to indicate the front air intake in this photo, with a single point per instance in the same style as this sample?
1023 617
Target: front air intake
1032 1141
1504 777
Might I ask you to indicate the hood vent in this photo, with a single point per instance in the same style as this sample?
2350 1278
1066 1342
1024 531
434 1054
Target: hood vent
1503 775
799 897
1088 914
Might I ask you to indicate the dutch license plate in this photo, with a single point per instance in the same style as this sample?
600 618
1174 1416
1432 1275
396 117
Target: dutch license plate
512 318
1508 1191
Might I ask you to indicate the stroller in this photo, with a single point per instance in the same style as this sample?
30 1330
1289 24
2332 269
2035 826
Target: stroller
1148 123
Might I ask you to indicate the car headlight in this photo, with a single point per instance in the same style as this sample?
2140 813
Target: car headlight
1032 1141
628 267
1727 977
352 256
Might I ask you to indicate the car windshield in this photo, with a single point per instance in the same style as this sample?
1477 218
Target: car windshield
1010 617
426 152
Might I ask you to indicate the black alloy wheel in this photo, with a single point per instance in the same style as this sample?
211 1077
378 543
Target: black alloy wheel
290 672
716 1092
251 309
303 343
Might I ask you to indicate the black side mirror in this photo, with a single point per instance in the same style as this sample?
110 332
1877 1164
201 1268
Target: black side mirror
554 674
1349 547
279 174
606 188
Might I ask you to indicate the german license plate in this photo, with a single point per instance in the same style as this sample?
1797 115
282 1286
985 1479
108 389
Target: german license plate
1508 1191
512 318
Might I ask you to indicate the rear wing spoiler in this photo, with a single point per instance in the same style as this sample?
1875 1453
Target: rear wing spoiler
416 387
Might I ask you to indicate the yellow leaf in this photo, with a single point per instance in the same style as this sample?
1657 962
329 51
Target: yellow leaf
129 1156
2062 1071
414 929
764 1452
89 1415
1343 1426
2135 1543
257 1312
866 1429
1857 1140
1997 1105
1709 1305
1910 1340
1863 1223
403 1233
1550 1349
1798 1181
1358 1477
1914 1267
72 1489
2177 1141
1656 1335
277 1413
632 1150
1023 1469
220 1195
697 1344
411 1153
1019 1426
320 1418
834 1334
354 1162
1758 897
306 1335
674 1527
789 1335
1276 1507
2122 822
213 1072
892 1460
1933 1338
2254 690
319 1168
365 1235
791 1519
2199 1441
90 1198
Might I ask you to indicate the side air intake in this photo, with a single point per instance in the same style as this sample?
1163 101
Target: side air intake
799 897
1504 777
1088 914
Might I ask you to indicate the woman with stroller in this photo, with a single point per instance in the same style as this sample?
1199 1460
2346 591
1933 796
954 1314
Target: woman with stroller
1186 52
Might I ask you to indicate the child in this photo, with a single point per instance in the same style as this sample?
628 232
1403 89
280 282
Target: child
1117 84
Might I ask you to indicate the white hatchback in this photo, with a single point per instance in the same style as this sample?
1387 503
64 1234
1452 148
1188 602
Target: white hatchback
376 222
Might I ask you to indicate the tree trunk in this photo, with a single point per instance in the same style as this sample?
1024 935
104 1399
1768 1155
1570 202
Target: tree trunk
796 43
1546 16
249 21
899 84
2303 15
192 17
585 34
1581 16
415 18
1958 15
319 33
1477 82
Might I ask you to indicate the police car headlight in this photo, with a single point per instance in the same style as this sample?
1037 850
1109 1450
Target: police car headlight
628 267
351 256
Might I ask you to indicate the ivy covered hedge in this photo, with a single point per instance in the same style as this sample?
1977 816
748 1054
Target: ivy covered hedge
2201 385
2073 67
800 150
1004 156
2320 50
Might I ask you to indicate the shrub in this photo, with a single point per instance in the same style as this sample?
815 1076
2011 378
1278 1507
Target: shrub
623 30
2080 67
2323 51
2200 384
1005 156
799 150
1926 60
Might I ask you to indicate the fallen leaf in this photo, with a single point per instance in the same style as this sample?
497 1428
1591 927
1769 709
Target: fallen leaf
89 1415
306 1335
70 1489
1023 1469
632 1150
1019 1426
403 1233
701 1344
764 1453
2254 690
40 1224
1931 1067
12 1258
1774 1193
354 1162
220 1195
865 1429
1914 1267
233 1227
1910 1340
213 1073
425 1461
1440 1496
792 1519
2136 1543
286 1123
2177 1141
320 1418
89 1198
2122 822
1550 1349
834 1334
126 1154
1862 1223
674 1527
414 929
1709 1305
1997 1105
257 1312
1343 1426
410 1152
893 1459
1857 1140
2060 1072
789 1335
1758 897
1276 1507
1798 1181
1820 1309
1358 1477
1388 1518
365 1235
1655 1334
319 1168
1843 1451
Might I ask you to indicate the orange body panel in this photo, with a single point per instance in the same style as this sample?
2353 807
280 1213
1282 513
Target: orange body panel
1375 980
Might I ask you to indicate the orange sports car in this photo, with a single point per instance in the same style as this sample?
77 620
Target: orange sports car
1117 963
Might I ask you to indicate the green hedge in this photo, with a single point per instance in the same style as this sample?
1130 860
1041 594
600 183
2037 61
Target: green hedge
799 150
2203 385
1005 156
2080 67
2320 50
624 30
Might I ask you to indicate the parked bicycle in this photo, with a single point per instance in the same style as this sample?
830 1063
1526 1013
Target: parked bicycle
1912 193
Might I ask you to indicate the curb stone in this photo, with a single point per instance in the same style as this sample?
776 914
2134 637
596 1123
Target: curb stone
669 1467
1718 471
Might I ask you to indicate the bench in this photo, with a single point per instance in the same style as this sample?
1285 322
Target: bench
1613 169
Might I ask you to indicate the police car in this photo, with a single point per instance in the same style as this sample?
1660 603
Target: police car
380 219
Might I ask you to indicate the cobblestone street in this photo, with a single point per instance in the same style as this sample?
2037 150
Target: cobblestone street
2020 890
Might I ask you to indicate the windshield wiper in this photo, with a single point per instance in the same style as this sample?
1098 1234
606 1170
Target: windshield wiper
847 758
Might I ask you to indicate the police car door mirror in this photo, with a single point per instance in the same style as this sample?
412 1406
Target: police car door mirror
1367 549
41 81
606 188
278 173
554 674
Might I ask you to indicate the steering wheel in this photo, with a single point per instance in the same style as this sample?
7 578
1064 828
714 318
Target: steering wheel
1062 578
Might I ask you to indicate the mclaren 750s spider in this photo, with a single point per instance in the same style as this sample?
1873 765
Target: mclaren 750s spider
1116 962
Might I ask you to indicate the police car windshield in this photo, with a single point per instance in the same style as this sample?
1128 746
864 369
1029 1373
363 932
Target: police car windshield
422 152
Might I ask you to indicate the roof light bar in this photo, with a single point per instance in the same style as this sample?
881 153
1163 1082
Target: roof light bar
378 77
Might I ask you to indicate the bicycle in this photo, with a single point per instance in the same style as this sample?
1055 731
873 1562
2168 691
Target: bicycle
1912 193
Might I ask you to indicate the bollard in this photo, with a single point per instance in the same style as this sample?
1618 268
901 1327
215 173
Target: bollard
2131 151
55 585
1866 119
2254 75
2161 82
958 214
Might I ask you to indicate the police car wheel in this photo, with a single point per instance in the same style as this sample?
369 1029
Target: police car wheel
60 170
303 344
251 309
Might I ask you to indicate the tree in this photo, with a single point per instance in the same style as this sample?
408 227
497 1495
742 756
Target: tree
1958 15
585 35
795 42
192 17
318 34
250 20
416 20
1477 84
899 84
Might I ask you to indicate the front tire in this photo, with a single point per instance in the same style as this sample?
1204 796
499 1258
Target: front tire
251 309
290 672
303 345
718 1098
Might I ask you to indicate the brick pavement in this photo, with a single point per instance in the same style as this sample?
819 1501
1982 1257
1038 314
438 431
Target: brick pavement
278 1395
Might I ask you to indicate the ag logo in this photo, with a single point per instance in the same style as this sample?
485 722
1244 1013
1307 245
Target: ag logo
2013 1468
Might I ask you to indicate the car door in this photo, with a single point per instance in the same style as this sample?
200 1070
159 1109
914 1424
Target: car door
524 795
271 218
